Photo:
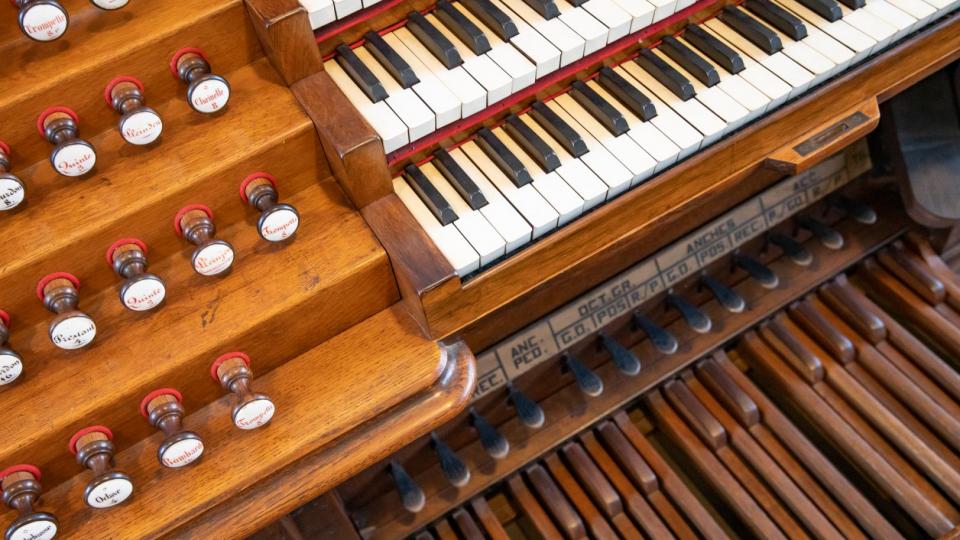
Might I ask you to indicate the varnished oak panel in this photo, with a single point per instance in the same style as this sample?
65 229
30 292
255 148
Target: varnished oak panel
138 40
283 27
321 410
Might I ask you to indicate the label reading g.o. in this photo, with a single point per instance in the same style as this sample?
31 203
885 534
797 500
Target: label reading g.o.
279 225
144 295
11 193
254 414
110 493
213 259
74 159
35 530
142 127
11 366
44 22
182 453
210 96
73 332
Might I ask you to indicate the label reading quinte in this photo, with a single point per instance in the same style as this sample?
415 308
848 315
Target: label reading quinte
35 530
10 368
73 333
213 259
110 4
11 193
44 22
182 453
210 96
110 493
279 225
254 414
74 159
141 128
144 295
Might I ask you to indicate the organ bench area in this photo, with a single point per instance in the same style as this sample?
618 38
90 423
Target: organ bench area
479 268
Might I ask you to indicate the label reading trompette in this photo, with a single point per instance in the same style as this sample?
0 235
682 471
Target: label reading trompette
254 414
74 332
110 493
279 225
44 22
210 96
141 128
213 259
182 453
74 159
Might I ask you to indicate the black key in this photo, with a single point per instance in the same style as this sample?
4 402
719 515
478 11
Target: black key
717 50
777 17
854 4
828 9
797 253
587 380
390 60
754 32
528 139
571 141
439 206
663 72
451 465
698 320
604 112
828 236
459 178
434 40
577 3
493 17
360 74
503 157
690 61
410 493
757 270
728 298
528 411
462 27
629 95
546 8
492 440
622 357
661 339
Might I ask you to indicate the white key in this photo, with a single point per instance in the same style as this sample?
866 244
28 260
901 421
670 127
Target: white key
521 71
392 131
713 98
527 200
831 49
640 11
610 15
441 101
447 238
645 134
663 9
753 100
581 178
472 96
706 122
570 44
859 43
893 15
532 44
482 68
499 213
320 12
623 147
368 3
801 52
484 239
917 9
561 197
346 7
678 130
419 119
581 22
870 24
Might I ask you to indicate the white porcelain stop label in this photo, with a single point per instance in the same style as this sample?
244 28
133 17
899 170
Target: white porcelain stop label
254 414
141 127
11 193
279 225
210 96
110 493
44 22
213 259
74 159
35 530
110 4
144 295
182 453
73 332
10 368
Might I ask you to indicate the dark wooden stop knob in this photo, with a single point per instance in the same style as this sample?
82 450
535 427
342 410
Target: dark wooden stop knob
141 290
277 221
71 328
94 449
139 124
11 188
21 491
11 363
164 410
206 93
71 156
42 20
250 410
195 223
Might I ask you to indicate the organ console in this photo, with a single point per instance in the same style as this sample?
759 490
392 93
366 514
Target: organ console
518 269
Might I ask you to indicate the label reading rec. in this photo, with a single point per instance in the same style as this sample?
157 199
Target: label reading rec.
210 96
44 22
182 453
144 294
11 193
74 159
10 368
623 294
254 414
110 493
74 332
142 127
279 225
110 4
213 259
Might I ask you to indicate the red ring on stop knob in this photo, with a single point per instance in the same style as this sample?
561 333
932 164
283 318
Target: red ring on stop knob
50 110
72 445
250 178
181 52
113 247
176 219
157 393
223 358
5 317
24 467
117 80
5 147
56 275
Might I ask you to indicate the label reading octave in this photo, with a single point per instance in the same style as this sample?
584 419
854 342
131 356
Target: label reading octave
254 414
35 530
44 22
73 333
182 453
110 4
10 368
279 225
141 127
110 493
213 259
210 96
74 159
144 295
11 193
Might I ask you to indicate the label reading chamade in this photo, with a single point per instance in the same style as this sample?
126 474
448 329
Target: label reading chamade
74 332
11 193
254 414
110 493
35 530
182 453
44 22
213 259
210 96
141 127
10 368
279 225
74 159
110 4
144 294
